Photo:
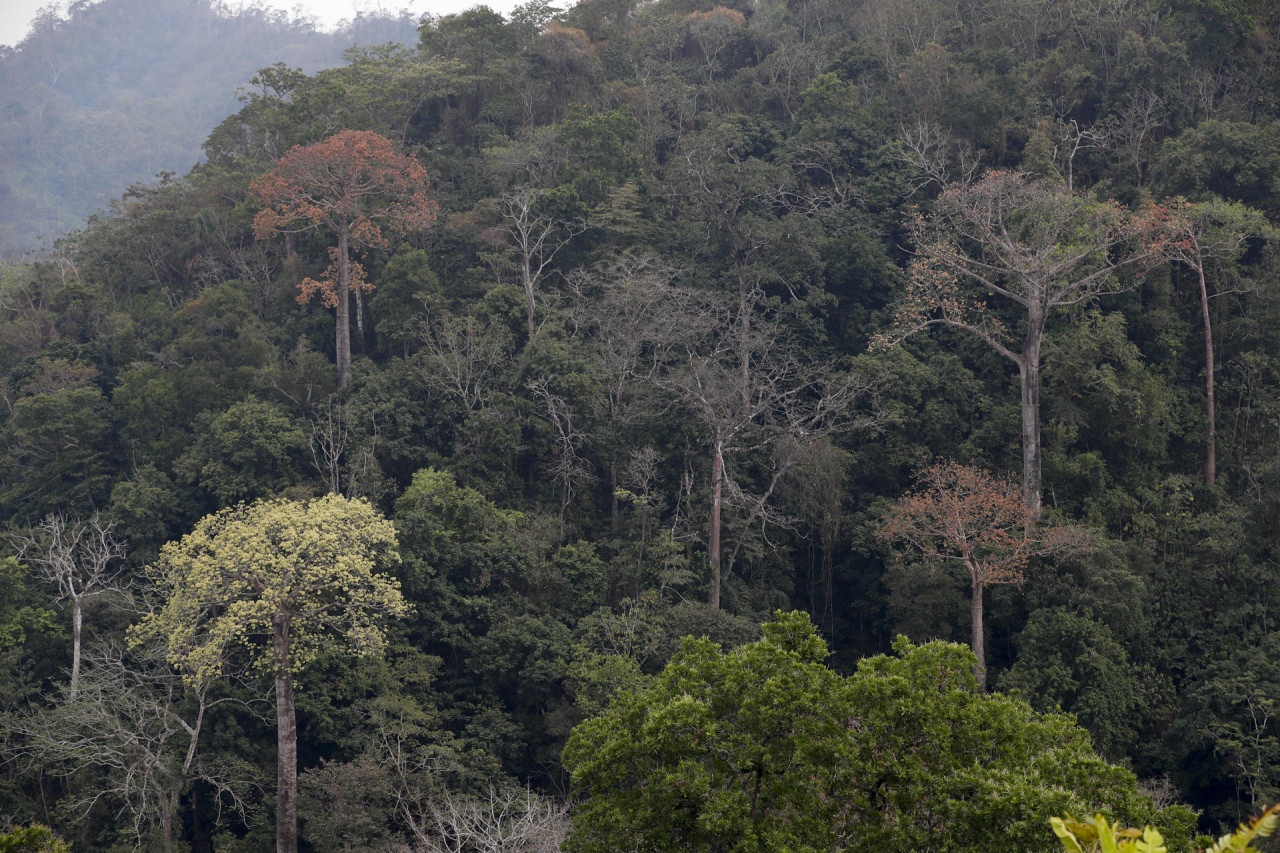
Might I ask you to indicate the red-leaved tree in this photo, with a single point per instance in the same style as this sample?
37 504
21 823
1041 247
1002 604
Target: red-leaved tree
962 514
351 183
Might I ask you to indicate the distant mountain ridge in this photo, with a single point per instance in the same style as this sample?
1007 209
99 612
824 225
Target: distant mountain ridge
121 90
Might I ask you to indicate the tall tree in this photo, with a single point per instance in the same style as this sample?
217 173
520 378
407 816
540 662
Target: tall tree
962 514
1028 241
1204 236
758 396
348 183
300 575
82 559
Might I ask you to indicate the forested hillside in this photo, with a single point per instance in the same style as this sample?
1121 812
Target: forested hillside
659 318
121 90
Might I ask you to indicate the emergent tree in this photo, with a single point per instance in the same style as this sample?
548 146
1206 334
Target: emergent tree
297 575
1032 242
348 184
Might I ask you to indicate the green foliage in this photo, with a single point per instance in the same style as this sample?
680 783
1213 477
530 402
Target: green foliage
33 839
754 749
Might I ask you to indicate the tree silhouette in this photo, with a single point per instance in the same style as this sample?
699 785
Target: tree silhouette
348 183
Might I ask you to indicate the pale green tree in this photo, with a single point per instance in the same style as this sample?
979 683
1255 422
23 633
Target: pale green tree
281 579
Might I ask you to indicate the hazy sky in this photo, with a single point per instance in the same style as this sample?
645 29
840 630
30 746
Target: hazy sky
15 15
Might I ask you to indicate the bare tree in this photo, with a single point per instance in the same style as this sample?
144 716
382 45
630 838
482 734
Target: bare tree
138 724
82 560
509 820
1026 241
568 468
753 392
537 236
340 455
936 156
633 319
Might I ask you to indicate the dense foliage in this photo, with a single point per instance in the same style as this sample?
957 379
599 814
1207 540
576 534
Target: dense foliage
675 344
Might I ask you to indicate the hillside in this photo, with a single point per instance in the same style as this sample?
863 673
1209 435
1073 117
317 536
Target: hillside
662 318
124 89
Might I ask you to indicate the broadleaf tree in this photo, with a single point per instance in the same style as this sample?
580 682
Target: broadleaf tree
282 579
962 514
1025 241
348 183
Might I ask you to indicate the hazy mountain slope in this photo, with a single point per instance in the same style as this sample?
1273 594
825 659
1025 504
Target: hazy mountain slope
123 89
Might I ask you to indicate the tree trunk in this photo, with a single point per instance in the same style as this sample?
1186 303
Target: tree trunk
713 545
976 641
342 346
528 292
286 743
77 624
1029 376
1211 438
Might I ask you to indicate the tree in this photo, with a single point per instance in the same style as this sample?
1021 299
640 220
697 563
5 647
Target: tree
538 233
753 390
347 183
82 559
962 514
301 575
1031 242
766 748
133 722
1203 236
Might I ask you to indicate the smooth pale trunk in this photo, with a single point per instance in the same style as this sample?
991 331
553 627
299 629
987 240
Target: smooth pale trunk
286 743
77 624
529 305
713 545
1029 379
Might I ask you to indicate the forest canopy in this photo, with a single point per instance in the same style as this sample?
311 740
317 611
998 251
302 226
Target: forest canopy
694 297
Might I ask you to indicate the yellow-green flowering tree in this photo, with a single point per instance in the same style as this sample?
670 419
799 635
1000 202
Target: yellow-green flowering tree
279 578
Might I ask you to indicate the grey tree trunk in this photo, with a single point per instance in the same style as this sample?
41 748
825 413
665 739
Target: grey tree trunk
286 743
1211 437
976 642
713 544
1029 376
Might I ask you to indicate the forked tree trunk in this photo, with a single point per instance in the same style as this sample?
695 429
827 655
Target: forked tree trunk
713 544
342 345
976 642
286 743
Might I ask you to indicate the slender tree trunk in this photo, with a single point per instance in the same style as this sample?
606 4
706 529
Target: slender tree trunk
713 546
77 624
286 743
976 642
1211 438
1029 376
342 345
528 292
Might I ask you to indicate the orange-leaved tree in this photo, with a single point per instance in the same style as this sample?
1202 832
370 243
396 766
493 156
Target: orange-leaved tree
351 183
962 514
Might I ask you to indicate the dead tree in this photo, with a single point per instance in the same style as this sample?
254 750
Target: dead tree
81 559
